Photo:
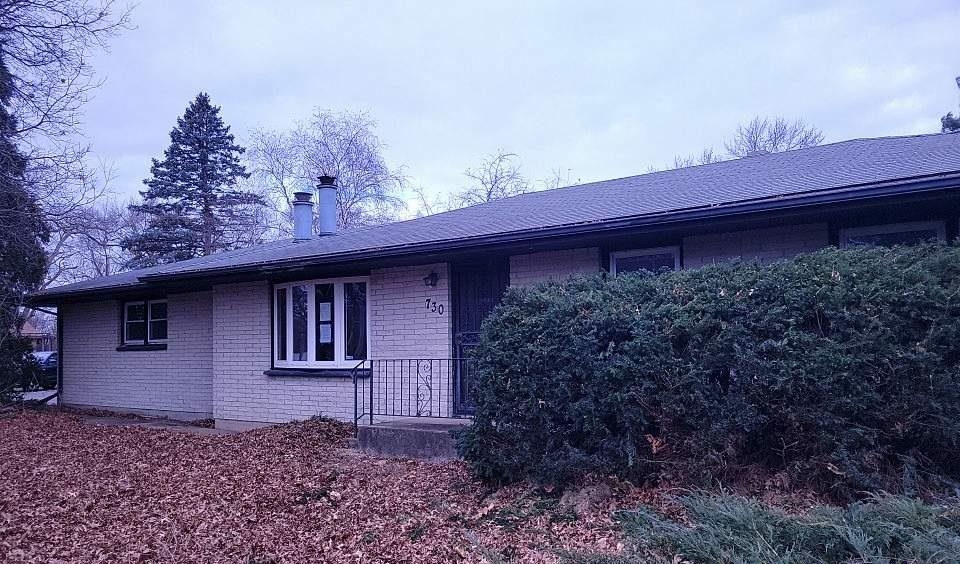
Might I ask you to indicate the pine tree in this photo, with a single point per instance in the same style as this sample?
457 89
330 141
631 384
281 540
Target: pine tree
22 234
949 124
193 204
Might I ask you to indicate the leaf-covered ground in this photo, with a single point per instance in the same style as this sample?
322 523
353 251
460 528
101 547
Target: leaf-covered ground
73 491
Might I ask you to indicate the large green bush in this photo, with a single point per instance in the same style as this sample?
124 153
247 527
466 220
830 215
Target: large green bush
838 368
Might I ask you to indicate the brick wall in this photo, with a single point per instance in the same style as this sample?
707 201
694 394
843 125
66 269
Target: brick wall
552 265
401 326
220 342
767 244
177 381
411 320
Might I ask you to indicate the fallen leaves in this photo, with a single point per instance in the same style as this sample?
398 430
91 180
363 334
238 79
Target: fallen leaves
71 491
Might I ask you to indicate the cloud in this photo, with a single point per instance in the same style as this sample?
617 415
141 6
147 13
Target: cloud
904 105
605 91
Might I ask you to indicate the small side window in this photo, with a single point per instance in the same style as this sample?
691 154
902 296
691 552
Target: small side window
893 234
650 260
145 322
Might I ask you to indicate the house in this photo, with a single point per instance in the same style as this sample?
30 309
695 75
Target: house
378 321
41 340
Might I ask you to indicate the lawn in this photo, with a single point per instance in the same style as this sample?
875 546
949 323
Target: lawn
74 491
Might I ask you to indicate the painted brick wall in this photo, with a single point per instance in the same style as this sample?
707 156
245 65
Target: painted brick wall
552 265
220 342
178 380
401 326
767 245
405 326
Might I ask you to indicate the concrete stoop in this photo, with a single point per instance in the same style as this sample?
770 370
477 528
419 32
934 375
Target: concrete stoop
428 440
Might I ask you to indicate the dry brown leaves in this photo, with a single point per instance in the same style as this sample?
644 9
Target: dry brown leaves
72 491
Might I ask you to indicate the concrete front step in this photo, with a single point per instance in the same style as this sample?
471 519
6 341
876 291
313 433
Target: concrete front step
413 438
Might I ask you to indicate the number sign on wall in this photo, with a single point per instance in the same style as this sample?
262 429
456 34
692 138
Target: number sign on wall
434 307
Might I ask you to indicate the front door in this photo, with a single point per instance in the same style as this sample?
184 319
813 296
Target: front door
476 288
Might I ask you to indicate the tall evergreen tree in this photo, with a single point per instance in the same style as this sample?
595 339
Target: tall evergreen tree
949 124
193 202
22 234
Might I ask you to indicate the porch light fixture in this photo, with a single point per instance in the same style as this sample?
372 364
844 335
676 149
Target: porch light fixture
430 280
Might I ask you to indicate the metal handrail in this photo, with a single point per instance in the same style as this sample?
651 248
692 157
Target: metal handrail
356 404
410 387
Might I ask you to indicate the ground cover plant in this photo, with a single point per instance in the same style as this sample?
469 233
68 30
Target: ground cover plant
727 528
838 371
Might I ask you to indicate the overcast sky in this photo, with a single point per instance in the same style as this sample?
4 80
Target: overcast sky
599 89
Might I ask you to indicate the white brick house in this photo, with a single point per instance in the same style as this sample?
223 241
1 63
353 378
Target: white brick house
377 321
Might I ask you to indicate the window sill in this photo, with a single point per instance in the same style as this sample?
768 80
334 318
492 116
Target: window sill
315 373
151 347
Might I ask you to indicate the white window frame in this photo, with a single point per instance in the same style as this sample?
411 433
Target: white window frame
339 324
147 318
675 250
847 233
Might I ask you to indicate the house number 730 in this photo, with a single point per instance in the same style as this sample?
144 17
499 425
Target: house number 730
434 307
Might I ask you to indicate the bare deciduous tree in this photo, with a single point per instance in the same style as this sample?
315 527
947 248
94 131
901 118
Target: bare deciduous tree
67 213
344 145
758 137
340 144
275 173
47 45
559 178
772 135
707 156
498 176
427 205
89 244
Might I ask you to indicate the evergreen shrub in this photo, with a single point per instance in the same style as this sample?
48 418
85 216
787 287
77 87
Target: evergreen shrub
839 369
724 528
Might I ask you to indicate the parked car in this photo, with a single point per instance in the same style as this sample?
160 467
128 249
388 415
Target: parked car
48 360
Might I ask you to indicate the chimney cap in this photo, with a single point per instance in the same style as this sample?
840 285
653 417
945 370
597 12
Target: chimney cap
328 181
301 196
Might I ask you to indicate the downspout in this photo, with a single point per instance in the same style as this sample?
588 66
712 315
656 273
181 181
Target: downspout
59 356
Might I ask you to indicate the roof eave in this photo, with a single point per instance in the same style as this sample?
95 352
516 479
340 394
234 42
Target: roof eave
784 203
897 187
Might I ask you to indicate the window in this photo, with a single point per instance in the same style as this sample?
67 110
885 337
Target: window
145 322
320 323
324 318
893 234
355 310
650 260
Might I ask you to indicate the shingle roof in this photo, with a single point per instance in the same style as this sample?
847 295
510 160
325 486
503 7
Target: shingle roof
832 167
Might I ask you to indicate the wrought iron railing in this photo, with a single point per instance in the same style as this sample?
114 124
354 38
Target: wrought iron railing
412 387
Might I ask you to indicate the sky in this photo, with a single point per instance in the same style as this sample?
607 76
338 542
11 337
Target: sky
597 90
